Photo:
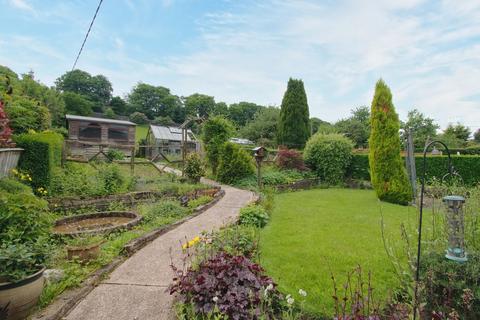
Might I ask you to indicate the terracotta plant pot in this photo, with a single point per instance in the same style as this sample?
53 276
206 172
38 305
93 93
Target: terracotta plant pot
85 253
18 298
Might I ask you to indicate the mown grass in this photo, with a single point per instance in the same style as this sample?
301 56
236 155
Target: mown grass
314 234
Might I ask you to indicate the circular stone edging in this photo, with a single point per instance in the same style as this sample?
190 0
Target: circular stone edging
136 218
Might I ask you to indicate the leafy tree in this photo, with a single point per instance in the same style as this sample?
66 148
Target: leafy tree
215 132
316 124
235 163
221 109
476 136
163 121
422 127
263 127
194 169
387 171
199 105
97 89
294 124
118 105
109 113
152 101
242 112
357 127
459 131
138 118
27 114
77 104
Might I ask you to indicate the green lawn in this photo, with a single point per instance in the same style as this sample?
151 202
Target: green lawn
315 233
141 132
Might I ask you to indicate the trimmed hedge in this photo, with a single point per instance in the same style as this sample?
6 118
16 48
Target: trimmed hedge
467 166
42 153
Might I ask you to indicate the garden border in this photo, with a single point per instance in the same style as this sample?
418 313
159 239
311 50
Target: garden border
68 299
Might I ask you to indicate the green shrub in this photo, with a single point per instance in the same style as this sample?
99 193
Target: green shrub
388 175
194 167
467 166
215 132
114 181
254 215
235 163
450 287
328 155
164 209
42 153
13 186
114 154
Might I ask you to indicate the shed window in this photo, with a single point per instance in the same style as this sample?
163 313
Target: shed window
117 133
92 131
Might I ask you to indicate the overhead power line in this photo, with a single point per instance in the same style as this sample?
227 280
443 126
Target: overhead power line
86 36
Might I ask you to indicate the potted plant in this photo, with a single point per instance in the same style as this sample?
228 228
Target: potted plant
24 227
84 248
9 155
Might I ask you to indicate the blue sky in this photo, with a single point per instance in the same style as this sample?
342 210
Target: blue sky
427 51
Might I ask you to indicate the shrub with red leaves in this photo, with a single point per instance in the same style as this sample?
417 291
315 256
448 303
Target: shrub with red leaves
5 131
290 159
233 285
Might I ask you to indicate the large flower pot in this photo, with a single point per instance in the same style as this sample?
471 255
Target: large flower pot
84 254
8 160
18 298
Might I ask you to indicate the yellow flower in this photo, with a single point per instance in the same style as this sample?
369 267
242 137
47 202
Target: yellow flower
185 246
15 171
29 178
196 239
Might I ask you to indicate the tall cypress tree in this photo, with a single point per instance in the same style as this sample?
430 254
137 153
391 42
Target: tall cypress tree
294 125
387 172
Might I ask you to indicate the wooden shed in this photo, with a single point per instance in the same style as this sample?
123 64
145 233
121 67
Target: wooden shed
87 136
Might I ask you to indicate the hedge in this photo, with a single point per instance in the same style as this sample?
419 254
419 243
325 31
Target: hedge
463 151
42 152
467 166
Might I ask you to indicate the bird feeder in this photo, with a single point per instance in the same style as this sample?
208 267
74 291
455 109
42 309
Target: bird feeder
259 153
455 228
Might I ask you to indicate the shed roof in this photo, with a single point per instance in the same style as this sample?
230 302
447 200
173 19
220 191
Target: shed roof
170 133
101 120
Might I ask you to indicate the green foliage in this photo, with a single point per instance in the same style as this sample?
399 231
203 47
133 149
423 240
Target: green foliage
215 132
138 118
114 154
387 171
164 209
328 155
192 204
243 112
458 131
109 113
154 101
467 166
24 225
199 105
476 136
163 121
421 126
235 163
194 169
97 89
263 127
78 179
318 125
254 215
294 125
26 114
357 127
77 104
118 105
13 186
450 287
42 153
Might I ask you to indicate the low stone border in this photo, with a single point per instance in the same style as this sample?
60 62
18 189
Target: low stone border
135 219
66 301
102 202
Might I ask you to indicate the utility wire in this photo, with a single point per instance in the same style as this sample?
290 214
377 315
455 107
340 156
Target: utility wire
86 36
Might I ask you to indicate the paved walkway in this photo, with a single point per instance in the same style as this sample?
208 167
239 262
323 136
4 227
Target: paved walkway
137 288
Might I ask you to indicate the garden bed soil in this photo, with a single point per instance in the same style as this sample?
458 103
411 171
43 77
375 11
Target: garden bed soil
96 223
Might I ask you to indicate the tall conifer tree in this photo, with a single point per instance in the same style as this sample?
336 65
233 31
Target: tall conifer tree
387 172
294 125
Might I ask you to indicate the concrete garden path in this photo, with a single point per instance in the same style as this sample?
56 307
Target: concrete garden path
137 289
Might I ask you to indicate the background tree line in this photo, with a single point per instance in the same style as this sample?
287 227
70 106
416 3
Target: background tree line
32 105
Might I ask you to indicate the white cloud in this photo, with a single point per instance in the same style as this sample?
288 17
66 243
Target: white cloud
22 5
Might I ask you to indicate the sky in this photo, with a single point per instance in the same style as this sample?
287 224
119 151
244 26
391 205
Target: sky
428 52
